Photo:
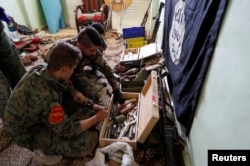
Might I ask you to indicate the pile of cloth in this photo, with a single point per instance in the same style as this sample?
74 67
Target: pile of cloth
33 47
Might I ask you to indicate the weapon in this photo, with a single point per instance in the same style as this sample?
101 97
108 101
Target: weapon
168 128
157 23
145 18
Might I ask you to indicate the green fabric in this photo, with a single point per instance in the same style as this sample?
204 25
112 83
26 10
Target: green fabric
4 93
10 62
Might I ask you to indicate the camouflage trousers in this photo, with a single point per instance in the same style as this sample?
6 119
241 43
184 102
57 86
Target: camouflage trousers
90 85
77 146
5 92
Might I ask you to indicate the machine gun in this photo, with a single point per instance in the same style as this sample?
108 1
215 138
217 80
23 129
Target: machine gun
157 23
168 127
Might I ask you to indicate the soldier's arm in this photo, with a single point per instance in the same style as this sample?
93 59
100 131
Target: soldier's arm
79 78
80 98
107 71
99 116
58 120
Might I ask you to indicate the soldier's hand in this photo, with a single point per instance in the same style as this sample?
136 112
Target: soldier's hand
102 114
118 96
97 107
80 98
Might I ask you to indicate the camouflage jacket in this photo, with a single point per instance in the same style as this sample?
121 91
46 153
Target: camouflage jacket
97 61
36 104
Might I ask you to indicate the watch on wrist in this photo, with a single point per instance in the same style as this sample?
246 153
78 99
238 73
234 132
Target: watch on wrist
90 103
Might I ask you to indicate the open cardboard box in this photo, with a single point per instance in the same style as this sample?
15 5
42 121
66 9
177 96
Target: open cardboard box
134 57
147 115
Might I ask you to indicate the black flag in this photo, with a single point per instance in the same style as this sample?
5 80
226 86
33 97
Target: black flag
190 33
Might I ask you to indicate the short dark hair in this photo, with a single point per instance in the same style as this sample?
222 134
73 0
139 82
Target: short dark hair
99 27
89 36
63 54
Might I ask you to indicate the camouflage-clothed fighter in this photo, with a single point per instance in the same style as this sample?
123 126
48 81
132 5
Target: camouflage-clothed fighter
11 67
35 115
89 42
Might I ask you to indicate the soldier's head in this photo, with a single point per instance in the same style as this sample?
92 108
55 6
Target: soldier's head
101 30
63 59
88 41
99 27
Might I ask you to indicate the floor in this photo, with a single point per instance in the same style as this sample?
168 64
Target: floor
48 40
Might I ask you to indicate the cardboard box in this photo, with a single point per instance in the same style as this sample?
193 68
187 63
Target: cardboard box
147 115
135 39
130 57
135 42
134 57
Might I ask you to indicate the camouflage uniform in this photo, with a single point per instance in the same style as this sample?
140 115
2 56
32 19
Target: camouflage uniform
84 81
11 67
81 79
31 121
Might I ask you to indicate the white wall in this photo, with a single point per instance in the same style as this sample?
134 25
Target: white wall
222 118
68 7
14 8
30 13
34 14
132 15
160 32
25 12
